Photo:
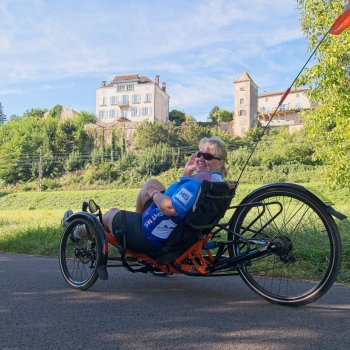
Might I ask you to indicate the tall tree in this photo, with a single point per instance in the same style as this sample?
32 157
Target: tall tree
327 127
177 117
2 115
213 113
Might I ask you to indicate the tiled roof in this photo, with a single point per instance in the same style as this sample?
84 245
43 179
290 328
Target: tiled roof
123 77
145 79
263 94
244 77
131 77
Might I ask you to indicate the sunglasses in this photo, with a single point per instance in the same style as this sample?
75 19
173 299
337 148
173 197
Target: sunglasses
206 156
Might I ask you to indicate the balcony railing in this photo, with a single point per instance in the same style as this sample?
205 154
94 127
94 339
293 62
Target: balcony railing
123 103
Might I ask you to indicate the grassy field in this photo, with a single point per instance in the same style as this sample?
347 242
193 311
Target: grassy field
30 221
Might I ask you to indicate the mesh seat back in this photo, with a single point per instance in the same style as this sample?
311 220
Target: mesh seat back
212 201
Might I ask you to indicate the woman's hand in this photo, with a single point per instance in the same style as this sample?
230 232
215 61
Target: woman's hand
162 201
149 189
191 165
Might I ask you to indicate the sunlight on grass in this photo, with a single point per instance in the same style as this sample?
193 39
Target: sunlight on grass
30 231
38 231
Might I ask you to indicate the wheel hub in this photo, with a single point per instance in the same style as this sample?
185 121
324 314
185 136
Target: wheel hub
283 247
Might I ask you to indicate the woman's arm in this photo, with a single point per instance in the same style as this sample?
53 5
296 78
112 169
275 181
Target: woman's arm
162 201
191 165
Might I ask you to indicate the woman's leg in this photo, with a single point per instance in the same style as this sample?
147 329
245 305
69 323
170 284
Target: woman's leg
142 198
107 219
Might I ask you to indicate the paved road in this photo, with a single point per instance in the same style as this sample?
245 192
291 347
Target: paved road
135 311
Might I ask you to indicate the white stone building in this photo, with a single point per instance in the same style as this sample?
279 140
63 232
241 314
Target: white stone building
130 98
246 98
287 113
252 109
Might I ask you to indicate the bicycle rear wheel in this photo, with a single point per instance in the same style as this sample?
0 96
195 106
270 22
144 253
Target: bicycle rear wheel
78 258
310 260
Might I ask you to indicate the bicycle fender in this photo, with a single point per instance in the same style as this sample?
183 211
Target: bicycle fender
93 220
327 206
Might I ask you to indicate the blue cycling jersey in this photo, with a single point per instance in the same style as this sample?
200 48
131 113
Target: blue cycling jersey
157 226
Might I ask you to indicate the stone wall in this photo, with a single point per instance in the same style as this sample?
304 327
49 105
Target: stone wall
104 131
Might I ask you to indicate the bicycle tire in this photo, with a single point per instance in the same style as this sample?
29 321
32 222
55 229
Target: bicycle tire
78 258
309 269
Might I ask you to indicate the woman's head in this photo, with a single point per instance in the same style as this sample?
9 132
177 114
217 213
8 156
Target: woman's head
216 147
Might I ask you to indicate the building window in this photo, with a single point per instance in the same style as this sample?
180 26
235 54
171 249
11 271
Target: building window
284 107
124 100
267 109
148 97
298 95
102 114
136 98
242 112
113 113
242 89
266 99
135 112
298 106
267 119
124 113
121 88
103 101
282 117
114 100
241 101
146 111
129 87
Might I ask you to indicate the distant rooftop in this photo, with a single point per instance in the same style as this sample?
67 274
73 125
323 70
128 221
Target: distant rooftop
130 77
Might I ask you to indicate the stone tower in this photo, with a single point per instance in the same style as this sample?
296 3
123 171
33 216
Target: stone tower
246 104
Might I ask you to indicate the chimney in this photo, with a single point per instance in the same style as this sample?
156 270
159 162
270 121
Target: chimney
164 87
157 80
103 83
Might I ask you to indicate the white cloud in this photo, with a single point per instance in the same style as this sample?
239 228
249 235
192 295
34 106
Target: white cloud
8 91
56 87
199 47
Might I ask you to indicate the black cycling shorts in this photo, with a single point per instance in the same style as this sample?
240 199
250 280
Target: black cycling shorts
135 239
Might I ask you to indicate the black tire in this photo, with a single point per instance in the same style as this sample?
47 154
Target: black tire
310 264
78 258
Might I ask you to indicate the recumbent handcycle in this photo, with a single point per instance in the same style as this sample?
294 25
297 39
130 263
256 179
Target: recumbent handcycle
281 240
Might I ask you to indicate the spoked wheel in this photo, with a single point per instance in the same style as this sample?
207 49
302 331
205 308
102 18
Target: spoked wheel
78 258
308 255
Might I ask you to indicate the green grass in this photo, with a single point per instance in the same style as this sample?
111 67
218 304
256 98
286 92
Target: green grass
30 221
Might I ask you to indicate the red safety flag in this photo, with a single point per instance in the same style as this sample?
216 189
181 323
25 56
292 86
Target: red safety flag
342 22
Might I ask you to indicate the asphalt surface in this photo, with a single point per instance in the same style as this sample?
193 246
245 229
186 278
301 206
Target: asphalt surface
38 310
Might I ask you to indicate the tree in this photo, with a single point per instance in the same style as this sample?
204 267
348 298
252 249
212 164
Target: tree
220 115
23 139
212 113
192 133
327 127
223 115
190 119
177 117
149 134
254 134
2 115
55 112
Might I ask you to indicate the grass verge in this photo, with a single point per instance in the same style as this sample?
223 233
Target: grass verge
31 222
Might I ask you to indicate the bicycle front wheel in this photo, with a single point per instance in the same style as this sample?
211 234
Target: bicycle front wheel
78 257
310 257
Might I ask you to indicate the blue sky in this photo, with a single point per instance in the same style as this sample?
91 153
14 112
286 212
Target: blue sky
58 51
